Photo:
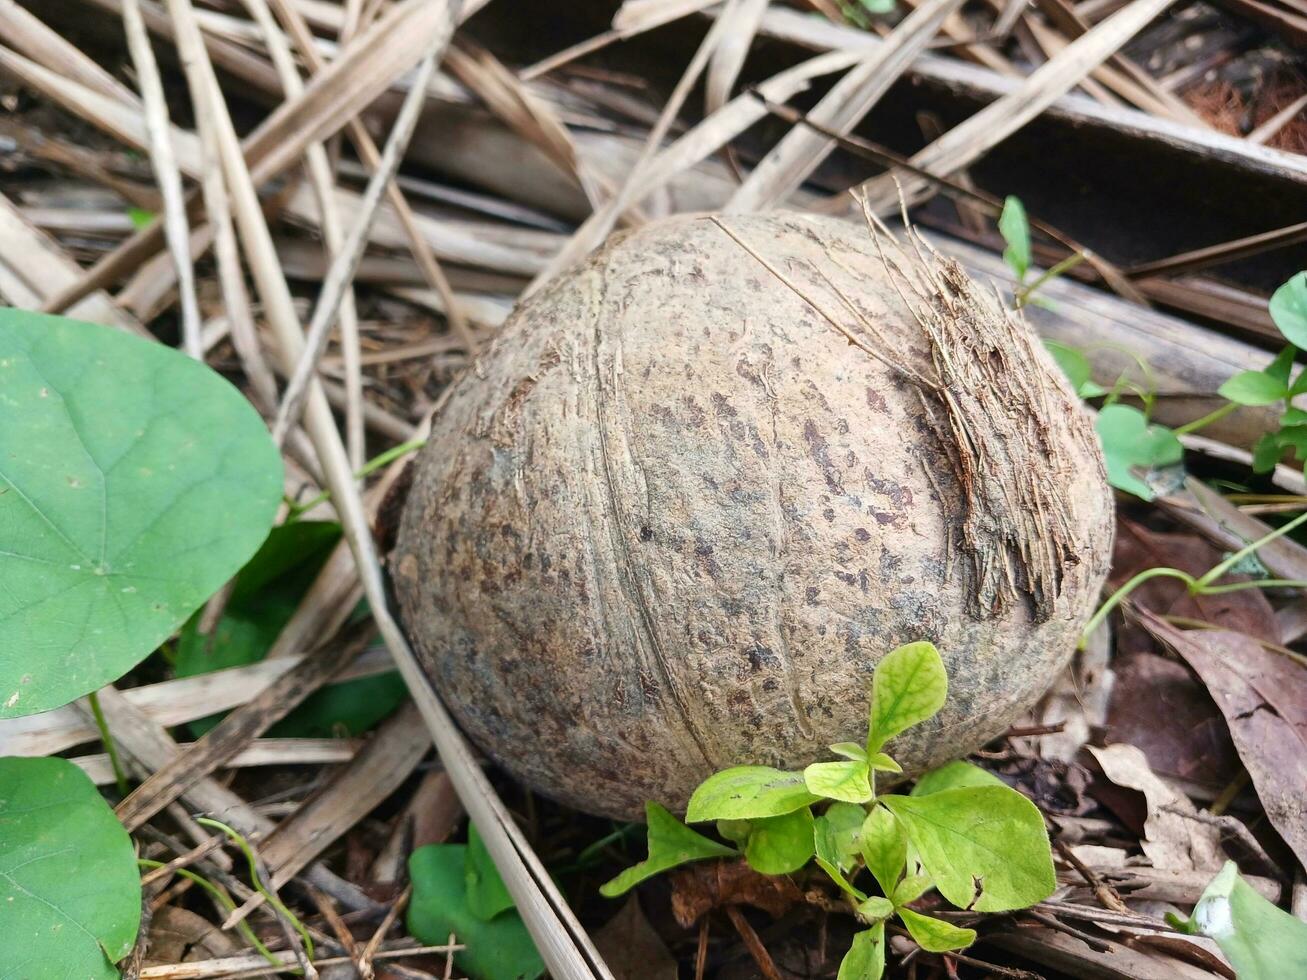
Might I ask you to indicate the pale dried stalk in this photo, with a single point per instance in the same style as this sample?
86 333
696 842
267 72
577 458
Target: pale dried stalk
336 94
260 752
333 236
537 122
726 62
24 31
158 126
371 157
563 944
34 267
167 703
254 964
964 144
803 149
596 228
343 266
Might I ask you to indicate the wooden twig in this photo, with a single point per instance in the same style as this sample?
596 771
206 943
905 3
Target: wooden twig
752 943
374 944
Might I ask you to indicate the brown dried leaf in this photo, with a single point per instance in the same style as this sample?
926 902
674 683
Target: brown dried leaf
1172 840
631 947
1263 696
1159 707
178 935
702 887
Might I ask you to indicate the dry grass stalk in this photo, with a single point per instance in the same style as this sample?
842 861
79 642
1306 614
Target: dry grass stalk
237 730
33 268
166 704
592 233
24 31
802 150
563 944
533 118
259 752
335 287
321 177
254 964
158 126
966 143
726 61
386 760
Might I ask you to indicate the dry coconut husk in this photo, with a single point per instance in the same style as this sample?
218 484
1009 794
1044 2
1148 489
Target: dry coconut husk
702 483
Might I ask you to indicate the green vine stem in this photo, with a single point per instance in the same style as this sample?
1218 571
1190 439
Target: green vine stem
257 880
110 746
222 898
1206 420
1024 293
1202 585
370 467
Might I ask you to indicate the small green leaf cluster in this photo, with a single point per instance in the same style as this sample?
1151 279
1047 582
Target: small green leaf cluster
961 831
456 890
1275 383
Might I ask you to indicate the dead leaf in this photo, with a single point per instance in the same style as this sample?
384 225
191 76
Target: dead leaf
1159 707
1263 696
178 935
1171 840
1078 699
700 888
631 948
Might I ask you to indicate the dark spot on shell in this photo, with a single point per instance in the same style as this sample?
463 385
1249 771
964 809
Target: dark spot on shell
810 595
646 533
876 402
819 450
862 534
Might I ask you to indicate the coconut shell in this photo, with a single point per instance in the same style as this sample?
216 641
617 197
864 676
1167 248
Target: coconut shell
698 487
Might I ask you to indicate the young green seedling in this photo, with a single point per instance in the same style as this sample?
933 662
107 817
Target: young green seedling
961 831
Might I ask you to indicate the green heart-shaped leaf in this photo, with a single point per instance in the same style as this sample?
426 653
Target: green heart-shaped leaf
1129 441
487 895
670 843
1261 942
1253 388
985 847
1015 229
1076 367
498 949
134 482
70 893
1288 308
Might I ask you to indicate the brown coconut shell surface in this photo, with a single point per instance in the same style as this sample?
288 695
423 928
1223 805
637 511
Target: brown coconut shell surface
703 482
